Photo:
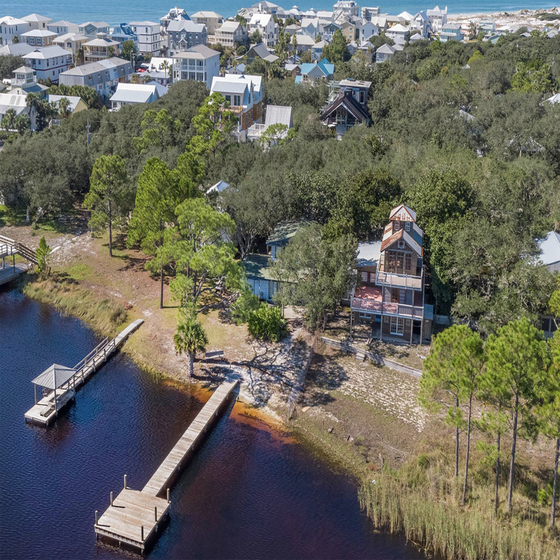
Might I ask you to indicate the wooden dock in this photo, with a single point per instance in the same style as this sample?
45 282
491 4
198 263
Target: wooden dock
9 273
45 410
134 518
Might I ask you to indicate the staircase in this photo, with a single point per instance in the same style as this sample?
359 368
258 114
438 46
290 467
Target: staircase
10 247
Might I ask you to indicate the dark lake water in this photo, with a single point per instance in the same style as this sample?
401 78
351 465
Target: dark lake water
248 493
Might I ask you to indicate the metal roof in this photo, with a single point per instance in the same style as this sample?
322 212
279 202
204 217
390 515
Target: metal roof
368 253
135 93
550 248
198 52
74 100
55 376
36 18
47 52
278 114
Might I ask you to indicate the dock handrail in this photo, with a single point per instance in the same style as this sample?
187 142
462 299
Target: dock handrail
20 248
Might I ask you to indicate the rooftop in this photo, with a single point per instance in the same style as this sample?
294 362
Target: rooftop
550 248
198 52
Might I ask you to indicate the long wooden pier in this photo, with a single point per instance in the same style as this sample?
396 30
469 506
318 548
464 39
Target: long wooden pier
135 518
45 410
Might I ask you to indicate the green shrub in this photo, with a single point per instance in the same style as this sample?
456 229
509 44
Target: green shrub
423 461
266 323
241 309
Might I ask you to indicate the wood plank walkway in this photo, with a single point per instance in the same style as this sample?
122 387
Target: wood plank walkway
44 411
132 519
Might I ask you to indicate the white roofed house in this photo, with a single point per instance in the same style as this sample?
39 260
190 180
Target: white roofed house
344 9
366 31
266 26
245 94
103 76
274 115
390 293
133 94
72 42
38 37
230 34
437 17
37 21
72 105
199 63
48 62
184 34
11 27
421 23
211 20
149 36
329 29
92 28
398 33
383 53
100 48
61 27
17 103
450 32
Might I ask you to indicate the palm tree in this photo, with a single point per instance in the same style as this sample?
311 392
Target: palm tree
22 123
64 107
190 337
9 120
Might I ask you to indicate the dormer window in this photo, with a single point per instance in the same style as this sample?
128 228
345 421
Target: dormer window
400 244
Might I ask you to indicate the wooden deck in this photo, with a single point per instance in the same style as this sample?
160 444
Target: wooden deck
44 411
134 518
124 524
11 273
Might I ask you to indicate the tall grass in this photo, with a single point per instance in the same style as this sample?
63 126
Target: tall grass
423 505
104 315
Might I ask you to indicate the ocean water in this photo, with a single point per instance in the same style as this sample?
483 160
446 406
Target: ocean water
120 11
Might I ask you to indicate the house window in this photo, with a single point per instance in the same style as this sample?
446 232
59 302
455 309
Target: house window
408 263
407 226
397 225
397 326
400 244
364 316
364 276
237 100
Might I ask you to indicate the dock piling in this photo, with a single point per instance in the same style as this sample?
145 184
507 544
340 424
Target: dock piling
142 533
96 517
124 482
168 494
111 499
155 513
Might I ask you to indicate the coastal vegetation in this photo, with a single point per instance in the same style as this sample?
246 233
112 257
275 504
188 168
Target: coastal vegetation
464 134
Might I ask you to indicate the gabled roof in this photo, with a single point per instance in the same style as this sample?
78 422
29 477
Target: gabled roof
135 93
278 114
185 25
229 26
403 213
74 100
346 99
12 101
143 23
398 28
101 42
203 14
70 37
401 234
262 52
284 231
385 49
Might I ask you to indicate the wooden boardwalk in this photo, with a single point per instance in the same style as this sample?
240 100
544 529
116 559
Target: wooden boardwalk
136 522
44 411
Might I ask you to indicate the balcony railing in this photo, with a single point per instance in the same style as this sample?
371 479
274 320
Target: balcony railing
386 308
392 279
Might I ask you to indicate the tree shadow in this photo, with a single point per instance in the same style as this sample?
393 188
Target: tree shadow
324 376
